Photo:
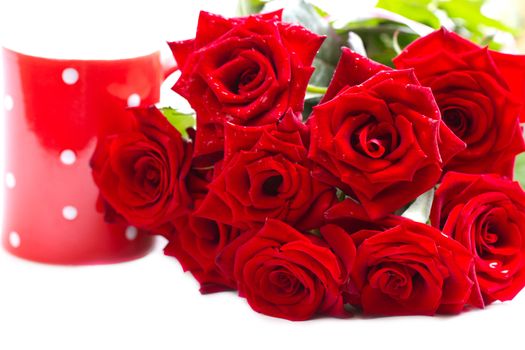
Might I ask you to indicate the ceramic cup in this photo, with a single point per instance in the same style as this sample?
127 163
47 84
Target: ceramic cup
54 111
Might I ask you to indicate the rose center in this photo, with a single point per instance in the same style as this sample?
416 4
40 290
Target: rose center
284 282
147 176
488 238
456 120
395 281
246 78
375 140
489 235
272 184
153 177
391 283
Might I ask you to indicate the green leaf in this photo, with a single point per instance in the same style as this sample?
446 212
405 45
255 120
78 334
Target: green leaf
249 7
341 196
463 16
303 13
417 10
469 11
378 34
378 38
519 169
311 100
315 232
180 121
320 11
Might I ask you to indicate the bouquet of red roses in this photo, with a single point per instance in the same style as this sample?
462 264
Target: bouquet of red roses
394 195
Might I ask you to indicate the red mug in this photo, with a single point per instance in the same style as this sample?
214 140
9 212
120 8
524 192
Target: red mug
54 111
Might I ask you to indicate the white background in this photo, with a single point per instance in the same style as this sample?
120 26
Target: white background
151 303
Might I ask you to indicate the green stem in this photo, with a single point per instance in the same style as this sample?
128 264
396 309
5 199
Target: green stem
395 42
316 89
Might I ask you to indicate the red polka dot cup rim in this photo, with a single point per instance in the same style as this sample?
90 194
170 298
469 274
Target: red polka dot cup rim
98 53
83 30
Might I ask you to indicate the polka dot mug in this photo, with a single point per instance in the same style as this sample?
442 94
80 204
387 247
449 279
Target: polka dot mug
54 111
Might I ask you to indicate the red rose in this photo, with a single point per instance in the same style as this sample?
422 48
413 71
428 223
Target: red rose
486 214
404 268
265 174
283 273
378 135
480 94
247 71
140 172
197 242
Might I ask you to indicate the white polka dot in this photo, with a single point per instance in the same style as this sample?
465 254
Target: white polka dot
131 233
68 157
69 212
10 180
70 76
14 239
8 103
134 100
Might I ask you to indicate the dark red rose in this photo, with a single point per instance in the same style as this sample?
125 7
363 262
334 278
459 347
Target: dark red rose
141 171
283 273
480 94
197 242
265 174
246 71
197 181
486 213
378 135
404 268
